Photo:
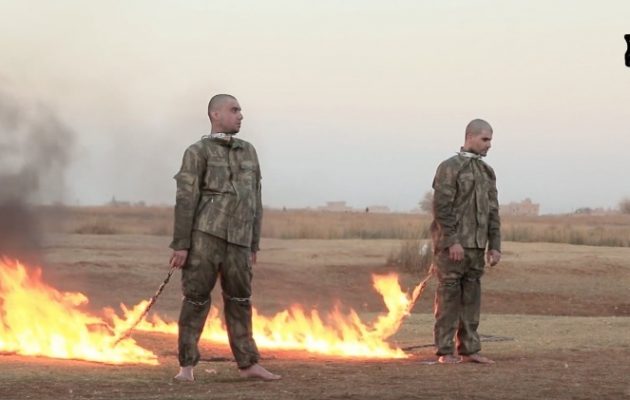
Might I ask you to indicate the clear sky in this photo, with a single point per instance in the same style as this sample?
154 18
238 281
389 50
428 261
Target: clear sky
344 100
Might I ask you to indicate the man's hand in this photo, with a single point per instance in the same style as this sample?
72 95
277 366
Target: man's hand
253 258
178 258
456 252
493 257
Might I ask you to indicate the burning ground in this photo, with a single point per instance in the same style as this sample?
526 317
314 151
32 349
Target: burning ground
58 327
565 307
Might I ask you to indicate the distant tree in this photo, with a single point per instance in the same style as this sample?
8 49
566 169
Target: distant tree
426 204
624 205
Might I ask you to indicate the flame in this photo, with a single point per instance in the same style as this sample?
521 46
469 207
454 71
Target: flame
38 320
337 334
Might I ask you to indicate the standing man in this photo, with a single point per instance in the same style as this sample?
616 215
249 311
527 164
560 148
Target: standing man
218 214
466 225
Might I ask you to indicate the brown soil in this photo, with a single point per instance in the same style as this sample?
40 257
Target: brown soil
565 309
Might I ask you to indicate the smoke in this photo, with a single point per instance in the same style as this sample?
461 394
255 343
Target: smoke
35 149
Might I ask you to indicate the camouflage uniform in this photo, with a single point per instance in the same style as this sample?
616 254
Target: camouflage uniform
466 211
218 214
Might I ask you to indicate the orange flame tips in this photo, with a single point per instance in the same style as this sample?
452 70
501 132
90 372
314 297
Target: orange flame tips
338 334
37 320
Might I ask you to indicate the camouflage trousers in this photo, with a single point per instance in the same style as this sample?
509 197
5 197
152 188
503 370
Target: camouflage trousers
209 258
458 302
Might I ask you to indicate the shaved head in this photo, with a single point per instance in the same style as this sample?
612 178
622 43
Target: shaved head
225 114
476 126
478 137
217 101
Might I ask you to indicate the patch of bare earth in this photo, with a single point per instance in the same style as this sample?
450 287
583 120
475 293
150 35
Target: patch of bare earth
564 308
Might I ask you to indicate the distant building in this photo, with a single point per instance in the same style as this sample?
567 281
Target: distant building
595 211
336 206
117 203
378 209
525 208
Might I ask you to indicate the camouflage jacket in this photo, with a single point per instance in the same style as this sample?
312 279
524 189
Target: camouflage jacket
218 192
465 205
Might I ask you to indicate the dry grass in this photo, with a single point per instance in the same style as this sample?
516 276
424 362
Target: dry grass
595 230
414 256
107 220
340 225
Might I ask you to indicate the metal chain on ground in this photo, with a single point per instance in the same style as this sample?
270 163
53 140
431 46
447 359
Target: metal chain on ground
147 308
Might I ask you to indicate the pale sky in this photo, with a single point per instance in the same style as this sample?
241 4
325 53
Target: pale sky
344 100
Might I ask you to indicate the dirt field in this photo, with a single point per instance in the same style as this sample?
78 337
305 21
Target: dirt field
564 309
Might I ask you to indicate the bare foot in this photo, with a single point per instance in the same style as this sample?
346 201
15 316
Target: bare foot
185 374
477 358
257 371
449 359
